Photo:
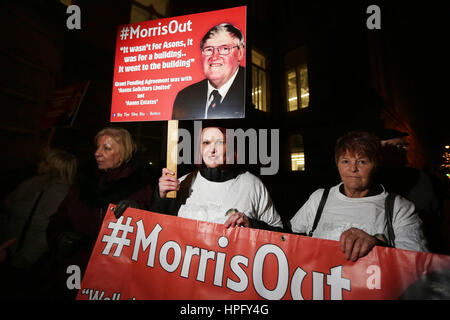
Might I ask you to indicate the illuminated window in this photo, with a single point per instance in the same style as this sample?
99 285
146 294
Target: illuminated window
259 81
296 77
297 86
298 161
297 152
445 165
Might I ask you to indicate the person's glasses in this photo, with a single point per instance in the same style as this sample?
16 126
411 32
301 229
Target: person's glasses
222 50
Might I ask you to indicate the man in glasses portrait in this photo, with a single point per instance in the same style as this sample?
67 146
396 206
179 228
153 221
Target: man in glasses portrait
221 94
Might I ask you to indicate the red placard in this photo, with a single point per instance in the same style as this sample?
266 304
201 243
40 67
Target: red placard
144 255
157 58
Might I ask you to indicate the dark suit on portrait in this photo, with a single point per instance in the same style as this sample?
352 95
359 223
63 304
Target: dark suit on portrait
190 102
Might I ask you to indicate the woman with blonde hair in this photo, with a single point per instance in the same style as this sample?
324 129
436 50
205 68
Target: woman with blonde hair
114 175
61 164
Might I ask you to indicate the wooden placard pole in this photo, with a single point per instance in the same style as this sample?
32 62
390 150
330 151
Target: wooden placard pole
172 150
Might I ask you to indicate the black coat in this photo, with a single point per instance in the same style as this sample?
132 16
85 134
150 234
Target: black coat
85 206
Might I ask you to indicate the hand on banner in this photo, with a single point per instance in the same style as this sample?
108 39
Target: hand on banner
167 182
237 219
5 245
356 243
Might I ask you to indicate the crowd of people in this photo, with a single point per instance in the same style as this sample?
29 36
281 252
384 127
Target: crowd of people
54 218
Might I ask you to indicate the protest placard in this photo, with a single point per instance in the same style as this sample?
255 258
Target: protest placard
156 59
144 255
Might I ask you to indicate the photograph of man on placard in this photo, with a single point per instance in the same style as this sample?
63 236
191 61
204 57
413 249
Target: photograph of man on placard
221 94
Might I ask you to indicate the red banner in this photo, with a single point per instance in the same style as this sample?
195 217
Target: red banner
144 255
156 59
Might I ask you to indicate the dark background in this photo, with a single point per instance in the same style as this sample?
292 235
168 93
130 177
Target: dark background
395 77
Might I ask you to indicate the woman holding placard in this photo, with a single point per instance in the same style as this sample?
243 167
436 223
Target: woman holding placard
217 191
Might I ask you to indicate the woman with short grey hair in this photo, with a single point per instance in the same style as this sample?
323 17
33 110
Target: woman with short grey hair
358 212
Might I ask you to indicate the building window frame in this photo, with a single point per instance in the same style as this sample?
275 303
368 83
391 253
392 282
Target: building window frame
297 153
297 80
260 87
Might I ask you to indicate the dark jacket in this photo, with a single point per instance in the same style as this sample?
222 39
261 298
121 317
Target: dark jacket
26 214
79 218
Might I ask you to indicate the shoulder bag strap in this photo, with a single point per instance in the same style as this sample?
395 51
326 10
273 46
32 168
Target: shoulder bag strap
319 210
389 210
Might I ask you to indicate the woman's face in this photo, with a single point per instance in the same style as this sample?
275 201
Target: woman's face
108 153
213 147
356 174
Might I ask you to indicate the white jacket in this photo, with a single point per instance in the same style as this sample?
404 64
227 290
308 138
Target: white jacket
209 201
